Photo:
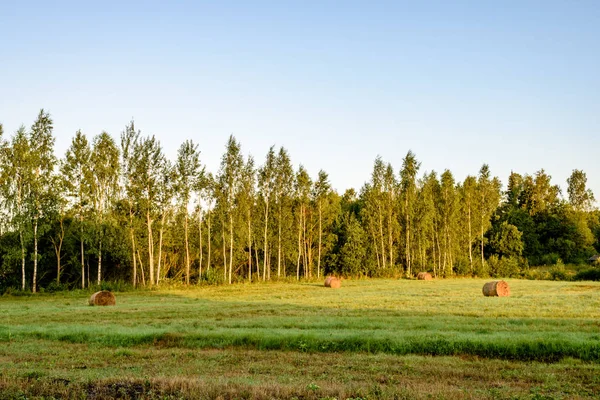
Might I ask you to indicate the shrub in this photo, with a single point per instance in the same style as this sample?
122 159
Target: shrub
558 272
504 266
54 287
212 278
590 274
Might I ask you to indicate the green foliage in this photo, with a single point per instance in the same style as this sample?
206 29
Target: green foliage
352 258
590 274
503 267
506 241
130 214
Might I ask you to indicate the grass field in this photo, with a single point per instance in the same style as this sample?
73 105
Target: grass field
370 339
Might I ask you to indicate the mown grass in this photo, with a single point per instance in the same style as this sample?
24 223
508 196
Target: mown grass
41 369
370 339
542 321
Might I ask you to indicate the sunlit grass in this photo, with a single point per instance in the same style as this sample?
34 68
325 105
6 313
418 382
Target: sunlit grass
540 321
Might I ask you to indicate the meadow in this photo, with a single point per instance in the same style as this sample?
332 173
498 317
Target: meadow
369 339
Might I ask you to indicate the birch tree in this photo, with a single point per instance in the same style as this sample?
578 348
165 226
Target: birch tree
266 185
284 186
229 182
105 167
129 142
321 190
408 176
188 172
246 204
43 161
16 173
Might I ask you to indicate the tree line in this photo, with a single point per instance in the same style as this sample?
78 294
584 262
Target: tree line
111 210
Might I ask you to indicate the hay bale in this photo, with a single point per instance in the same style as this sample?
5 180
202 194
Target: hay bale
103 298
424 276
333 282
496 288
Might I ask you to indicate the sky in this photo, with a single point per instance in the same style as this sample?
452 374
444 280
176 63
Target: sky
514 84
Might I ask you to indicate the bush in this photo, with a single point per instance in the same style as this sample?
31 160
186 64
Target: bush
113 286
504 266
558 274
212 278
590 274
10 291
54 287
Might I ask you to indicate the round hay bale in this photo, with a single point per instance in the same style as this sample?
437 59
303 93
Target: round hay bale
103 298
496 288
424 276
333 282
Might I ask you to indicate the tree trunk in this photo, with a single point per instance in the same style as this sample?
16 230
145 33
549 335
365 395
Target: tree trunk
257 263
279 243
57 250
141 268
469 240
22 259
187 250
390 234
132 245
381 237
304 247
482 259
265 240
209 240
224 254
160 241
374 236
230 246
408 271
435 269
100 261
249 246
82 255
320 238
34 288
134 258
150 247
200 244
299 246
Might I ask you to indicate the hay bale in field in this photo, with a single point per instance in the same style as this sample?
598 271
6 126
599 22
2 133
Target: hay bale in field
103 298
496 288
333 282
424 276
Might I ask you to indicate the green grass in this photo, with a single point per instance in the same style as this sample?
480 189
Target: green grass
542 321
391 320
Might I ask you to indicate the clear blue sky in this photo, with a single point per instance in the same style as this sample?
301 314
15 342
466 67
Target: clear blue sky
515 84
